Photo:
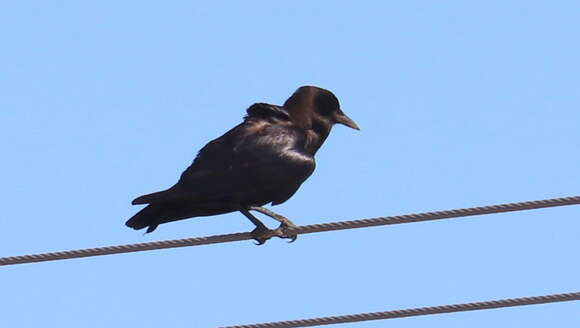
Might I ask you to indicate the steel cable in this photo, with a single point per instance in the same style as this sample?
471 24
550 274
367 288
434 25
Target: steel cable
510 302
331 226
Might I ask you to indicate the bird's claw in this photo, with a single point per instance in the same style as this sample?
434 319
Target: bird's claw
282 231
262 234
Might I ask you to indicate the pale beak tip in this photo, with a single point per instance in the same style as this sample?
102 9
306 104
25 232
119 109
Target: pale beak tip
345 120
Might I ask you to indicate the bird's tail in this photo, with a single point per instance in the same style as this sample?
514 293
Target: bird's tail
153 197
147 217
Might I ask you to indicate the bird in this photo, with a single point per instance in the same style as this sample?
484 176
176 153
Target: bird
263 160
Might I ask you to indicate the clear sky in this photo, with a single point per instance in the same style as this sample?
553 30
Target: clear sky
461 103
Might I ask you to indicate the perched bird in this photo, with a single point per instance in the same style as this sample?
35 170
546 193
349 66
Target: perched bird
263 160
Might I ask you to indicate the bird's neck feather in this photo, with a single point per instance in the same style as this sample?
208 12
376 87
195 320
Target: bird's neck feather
317 135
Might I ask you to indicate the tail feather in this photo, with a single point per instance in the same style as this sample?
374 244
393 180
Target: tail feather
150 198
170 195
147 217
157 213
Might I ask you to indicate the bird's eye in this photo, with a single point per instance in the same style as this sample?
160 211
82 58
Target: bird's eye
326 104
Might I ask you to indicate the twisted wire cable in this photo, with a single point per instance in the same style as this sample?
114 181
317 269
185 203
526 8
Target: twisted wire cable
331 226
509 302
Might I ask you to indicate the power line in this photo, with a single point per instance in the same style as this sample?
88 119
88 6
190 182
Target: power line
331 226
509 302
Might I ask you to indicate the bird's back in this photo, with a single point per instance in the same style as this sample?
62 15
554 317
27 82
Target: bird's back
262 160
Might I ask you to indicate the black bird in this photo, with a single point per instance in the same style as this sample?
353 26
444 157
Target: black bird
263 160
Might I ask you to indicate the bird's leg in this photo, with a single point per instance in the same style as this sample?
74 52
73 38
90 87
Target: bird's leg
285 223
283 220
261 234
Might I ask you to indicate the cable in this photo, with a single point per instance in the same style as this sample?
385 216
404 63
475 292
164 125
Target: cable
509 302
408 218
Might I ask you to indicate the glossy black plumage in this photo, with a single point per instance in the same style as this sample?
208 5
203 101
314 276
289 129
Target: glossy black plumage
263 160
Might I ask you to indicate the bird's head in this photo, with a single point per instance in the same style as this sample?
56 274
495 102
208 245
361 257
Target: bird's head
312 107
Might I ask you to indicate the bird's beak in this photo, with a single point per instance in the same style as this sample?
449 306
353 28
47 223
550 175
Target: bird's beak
341 118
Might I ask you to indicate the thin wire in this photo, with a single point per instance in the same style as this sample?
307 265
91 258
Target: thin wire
509 302
331 226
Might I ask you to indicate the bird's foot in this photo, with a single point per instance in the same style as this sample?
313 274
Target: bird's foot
261 234
282 231
285 223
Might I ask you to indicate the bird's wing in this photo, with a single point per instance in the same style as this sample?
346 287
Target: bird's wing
258 161
267 112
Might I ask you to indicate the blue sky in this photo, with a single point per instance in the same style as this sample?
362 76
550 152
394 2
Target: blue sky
460 104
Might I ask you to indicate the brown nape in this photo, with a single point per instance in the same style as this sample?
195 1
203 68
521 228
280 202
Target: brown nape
300 106
308 102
